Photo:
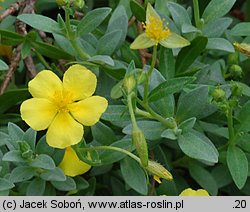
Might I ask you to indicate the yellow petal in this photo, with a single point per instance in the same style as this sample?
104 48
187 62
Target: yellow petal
142 42
45 85
191 192
38 113
151 13
79 81
174 41
89 111
157 179
71 165
64 131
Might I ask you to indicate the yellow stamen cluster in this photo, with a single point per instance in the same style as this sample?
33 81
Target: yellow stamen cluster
62 101
155 29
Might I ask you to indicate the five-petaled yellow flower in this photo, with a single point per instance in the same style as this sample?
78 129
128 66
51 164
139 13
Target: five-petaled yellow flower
191 192
156 31
72 165
63 106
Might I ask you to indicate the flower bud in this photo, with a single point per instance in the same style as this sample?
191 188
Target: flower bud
235 71
79 4
129 83
218 94
141 145
62 2
243 48
158 171
25 149
236 89
232 58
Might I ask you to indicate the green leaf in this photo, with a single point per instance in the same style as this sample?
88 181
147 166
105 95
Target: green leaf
10 38
43 161
170 86
103 134
36 187
241 29
189 54
41 22
151 129
67 185
117 114
238 165
12 97
43 148
134 175
170 134
220 44
166 63
192 104
187 125
9 117
110 156
215 28
50 51
30 137
216 9
3 66
179 14
221 175
53 175
13 156
138 11
198 146
25 50
102 60
119 21
108 43
92 20
81 183
244 118
15 133
5 184
22 173
203 178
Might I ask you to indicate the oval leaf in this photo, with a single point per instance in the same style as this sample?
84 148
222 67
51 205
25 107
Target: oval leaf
198 146
216 9
238 165
170 86
134 175
92 20
40 22
188 55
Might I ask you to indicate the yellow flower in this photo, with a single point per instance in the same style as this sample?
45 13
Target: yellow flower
157 32
191 192
63 107
71 165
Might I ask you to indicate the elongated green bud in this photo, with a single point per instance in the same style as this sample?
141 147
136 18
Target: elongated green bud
141 145
129 83
158 171
79 4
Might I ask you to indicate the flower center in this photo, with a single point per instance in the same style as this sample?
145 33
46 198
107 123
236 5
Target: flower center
155 29
62 100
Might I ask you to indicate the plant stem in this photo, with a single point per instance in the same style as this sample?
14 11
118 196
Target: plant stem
197 14
145 99
113 148
169 123
43 61
72 37
230 126
143 113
